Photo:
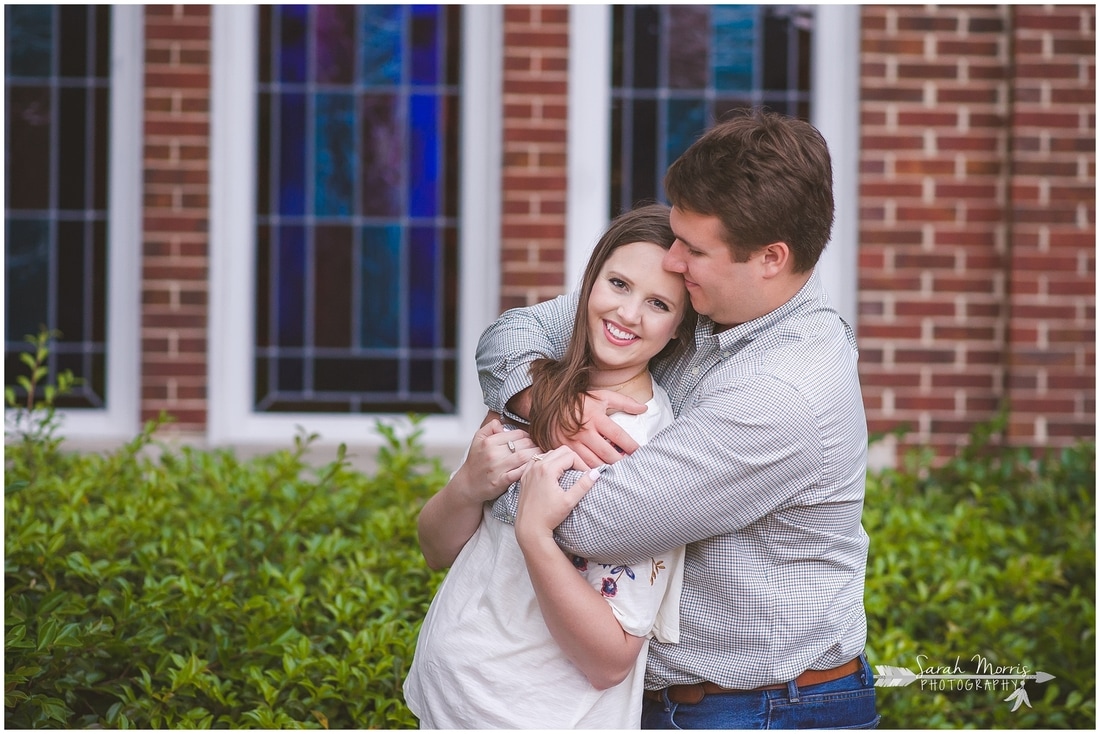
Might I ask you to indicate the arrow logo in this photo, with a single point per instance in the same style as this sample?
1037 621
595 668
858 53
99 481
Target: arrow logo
1019 696
891 676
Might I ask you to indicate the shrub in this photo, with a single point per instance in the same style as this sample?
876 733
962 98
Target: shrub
988 557
193 590
188 589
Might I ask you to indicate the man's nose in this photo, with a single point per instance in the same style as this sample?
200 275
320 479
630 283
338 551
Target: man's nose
673 260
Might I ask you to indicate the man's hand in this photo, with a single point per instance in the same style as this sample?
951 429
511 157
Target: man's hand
601 440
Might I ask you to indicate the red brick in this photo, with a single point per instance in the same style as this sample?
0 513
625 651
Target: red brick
924 356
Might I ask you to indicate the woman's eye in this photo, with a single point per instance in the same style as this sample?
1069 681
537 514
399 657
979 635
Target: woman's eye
618 283
660 304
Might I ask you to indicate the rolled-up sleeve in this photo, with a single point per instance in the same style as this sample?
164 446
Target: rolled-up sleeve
517 338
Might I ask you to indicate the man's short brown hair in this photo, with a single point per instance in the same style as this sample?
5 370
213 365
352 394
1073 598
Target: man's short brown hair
768 178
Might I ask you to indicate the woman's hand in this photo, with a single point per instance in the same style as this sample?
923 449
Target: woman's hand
543 504
453 514
496 459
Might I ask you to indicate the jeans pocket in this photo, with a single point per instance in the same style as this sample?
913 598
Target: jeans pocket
851 709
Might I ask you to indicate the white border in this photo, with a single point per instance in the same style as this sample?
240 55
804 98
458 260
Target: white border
121 417
835 90
589 136
836 114
232 168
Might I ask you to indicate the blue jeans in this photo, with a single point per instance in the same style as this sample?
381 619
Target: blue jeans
845 703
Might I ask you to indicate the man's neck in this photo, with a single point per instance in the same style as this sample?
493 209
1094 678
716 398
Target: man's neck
780 295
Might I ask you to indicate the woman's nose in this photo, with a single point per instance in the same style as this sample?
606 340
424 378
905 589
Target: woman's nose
629 310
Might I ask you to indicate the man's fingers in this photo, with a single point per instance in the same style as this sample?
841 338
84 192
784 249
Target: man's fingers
586 458
618 402
616 434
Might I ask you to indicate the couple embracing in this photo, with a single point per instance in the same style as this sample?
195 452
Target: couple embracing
658 525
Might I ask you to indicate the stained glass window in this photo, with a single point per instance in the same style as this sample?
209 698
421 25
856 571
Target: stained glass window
57 104
357 208
676 69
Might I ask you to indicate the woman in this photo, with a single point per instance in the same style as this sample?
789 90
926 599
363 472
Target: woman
520 635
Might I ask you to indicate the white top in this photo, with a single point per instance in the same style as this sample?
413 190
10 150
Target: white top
485 658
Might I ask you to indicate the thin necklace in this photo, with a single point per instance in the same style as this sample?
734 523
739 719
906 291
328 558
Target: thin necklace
621 385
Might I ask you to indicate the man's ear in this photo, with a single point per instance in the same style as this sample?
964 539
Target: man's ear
775 258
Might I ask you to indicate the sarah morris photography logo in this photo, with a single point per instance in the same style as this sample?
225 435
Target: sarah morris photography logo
978 674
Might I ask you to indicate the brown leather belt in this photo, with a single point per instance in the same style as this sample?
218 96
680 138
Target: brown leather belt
696 692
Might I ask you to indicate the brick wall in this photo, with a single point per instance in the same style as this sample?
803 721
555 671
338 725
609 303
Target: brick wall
977 167
976 263
532 229
175 217
1052 286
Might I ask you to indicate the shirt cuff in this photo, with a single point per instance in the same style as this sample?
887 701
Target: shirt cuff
516 382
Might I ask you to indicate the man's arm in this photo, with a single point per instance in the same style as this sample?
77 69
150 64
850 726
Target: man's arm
517 338
725 463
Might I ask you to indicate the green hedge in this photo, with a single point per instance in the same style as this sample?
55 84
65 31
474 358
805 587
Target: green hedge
985 562
194 590
189 589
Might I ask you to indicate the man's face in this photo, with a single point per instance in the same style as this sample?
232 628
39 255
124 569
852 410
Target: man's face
720 288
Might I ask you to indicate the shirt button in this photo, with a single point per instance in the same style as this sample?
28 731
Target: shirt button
695 371
725 354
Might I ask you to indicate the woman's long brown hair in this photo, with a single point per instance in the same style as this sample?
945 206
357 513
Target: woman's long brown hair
558 386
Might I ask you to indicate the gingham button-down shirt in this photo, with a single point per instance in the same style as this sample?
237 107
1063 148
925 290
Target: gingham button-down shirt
761 475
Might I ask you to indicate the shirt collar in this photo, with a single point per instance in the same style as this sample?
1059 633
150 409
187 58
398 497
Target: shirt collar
739 336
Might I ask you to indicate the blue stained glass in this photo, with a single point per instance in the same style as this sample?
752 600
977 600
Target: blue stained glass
686 119
381 47
425 46
292 147
734 28
381 152
423 156
360 167
335 43
423 260
27 265
29 40
291 278
58 145
380 264
292 59
334 139
689 40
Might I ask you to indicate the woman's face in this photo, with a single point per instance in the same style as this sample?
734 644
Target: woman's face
633 310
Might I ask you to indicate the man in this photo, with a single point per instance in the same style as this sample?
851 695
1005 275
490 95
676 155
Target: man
762 473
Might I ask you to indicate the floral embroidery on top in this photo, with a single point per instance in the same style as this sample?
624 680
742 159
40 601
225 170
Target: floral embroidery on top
609 586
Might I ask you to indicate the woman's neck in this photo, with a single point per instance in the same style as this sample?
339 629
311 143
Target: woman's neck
638 386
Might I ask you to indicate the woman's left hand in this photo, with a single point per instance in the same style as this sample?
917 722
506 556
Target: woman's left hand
543 504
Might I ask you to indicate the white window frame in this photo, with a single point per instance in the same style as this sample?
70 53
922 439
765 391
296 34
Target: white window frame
119 419
835 105
231 419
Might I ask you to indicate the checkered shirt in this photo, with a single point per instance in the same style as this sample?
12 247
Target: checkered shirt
761 476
